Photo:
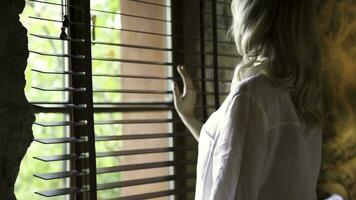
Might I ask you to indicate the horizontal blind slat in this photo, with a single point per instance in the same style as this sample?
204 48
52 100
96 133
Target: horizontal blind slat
185 51
74 156
61 123
59 72
142 181
110 138
74 173
54 20
60 192
139 136
144 151
142 166
67 89
56 38
59 140
59 175
58 55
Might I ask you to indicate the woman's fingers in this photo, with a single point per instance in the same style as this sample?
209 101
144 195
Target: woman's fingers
185 76
176 93
188 83
184 103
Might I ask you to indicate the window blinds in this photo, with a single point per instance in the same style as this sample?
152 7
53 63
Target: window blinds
203 25
109 88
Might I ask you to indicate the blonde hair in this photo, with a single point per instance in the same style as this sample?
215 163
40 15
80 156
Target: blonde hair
283 33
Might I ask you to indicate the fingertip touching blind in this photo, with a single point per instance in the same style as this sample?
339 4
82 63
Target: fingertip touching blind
101 73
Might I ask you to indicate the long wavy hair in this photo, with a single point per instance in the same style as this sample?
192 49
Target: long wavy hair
283 33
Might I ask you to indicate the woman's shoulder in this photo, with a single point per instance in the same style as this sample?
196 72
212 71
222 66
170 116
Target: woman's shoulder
257 86
274 100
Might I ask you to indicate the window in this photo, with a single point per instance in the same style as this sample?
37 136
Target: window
99 76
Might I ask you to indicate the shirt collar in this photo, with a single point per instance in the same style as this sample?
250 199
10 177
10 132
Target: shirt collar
251 72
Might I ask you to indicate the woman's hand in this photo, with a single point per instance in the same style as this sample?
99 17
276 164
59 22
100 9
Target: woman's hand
184 103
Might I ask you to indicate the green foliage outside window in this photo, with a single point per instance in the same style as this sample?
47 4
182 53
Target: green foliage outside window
26 183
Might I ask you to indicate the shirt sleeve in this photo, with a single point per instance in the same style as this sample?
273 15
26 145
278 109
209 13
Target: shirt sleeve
243 116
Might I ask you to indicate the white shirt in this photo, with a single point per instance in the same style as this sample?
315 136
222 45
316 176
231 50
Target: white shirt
255 148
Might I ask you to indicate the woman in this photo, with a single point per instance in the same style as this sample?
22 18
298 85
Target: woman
264 142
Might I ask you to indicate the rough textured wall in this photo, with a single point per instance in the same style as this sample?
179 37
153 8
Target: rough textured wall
338 35
16 116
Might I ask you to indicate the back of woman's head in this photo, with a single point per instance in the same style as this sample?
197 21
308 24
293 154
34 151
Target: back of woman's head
283 33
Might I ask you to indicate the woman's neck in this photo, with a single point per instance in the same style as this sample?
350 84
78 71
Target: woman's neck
257 67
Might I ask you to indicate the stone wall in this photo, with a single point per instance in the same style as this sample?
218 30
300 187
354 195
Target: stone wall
337 21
